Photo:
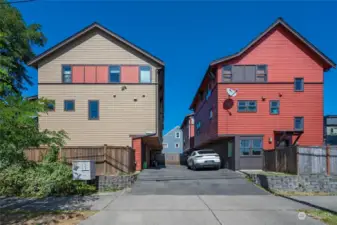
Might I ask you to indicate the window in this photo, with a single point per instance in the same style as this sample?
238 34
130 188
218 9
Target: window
145 74
69 105
66 74
93 106
177 145
114 74
198 125
251 147
204 152
211 114
247 106
244 147
299 84
51 106
209 90
227 73
261 73
165 145
244 73
299 123
274 107
177 135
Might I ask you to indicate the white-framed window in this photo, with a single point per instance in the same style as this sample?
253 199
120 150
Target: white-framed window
177 134
177 145
165 145
145 74
210 114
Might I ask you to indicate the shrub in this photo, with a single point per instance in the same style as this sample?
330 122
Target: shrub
41 180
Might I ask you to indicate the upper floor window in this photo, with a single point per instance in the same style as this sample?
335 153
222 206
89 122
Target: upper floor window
114 74
244 73
165 145
145 74
69 105
177 134
209 89
227 73
93 108
247 106
299 123
274 107
210 114
198 126
66 74
51 105
299 84
177 145
261 73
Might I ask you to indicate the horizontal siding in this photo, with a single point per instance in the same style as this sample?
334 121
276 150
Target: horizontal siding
208 128
120 116
308 104
94 48
285 56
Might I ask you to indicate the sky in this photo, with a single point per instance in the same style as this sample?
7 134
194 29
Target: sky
187 36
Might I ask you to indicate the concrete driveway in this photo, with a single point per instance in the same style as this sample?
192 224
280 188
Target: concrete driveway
179 196
178 180
199 210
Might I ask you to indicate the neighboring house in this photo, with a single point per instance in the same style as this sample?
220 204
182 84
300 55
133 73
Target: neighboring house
279 101
173 141
330 129
104 90
187 128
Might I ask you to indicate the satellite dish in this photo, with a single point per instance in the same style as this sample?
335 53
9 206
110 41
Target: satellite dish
231 92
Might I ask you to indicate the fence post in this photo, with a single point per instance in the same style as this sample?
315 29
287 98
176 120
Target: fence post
327 160
104 164
297 160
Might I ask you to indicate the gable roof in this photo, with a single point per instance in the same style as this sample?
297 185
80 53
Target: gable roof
173 129
34 62
185 119
279 21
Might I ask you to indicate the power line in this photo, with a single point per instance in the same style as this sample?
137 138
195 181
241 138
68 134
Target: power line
16 2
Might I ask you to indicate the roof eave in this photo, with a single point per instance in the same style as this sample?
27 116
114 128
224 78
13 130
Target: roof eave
34 62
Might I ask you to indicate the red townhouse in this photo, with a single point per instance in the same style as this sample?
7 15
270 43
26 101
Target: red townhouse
187 128
278 80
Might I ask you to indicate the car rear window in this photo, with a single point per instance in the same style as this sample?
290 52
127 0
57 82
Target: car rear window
206 152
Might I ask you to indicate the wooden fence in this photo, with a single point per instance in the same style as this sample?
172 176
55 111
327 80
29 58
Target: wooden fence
109 159
302 160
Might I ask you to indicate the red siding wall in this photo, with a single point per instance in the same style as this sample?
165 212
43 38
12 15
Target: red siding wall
191 124
308 104
137 146
286 59
129 74
208 128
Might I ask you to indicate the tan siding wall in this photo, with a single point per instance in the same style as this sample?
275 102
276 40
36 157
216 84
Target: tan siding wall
119 116
95 48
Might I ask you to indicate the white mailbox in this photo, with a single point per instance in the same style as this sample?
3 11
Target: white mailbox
84 170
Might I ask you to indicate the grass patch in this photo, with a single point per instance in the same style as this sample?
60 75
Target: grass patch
45 217
324 216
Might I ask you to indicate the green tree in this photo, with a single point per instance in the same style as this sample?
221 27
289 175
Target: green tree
16 41
19 130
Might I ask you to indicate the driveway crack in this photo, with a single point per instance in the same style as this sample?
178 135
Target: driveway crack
210 210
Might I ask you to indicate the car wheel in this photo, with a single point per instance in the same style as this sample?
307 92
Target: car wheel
193 166
217 167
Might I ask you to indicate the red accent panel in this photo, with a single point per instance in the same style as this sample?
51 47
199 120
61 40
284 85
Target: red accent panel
102 74
129 74
78 74
137 146
90 74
